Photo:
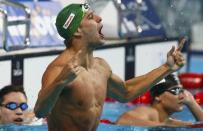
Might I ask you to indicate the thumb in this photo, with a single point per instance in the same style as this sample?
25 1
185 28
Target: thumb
171 51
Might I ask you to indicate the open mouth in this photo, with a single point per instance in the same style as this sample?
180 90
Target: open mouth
18 120
100 32
180 103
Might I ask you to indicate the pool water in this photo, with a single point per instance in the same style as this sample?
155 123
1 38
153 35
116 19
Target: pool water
111 112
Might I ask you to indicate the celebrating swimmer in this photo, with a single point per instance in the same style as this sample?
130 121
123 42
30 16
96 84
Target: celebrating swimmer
75 84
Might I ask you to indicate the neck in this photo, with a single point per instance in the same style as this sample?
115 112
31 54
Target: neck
86 55
164 115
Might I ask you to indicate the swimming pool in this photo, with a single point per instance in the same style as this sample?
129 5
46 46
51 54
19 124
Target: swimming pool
111 112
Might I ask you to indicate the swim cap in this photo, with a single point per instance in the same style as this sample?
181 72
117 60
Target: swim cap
69 18
159 88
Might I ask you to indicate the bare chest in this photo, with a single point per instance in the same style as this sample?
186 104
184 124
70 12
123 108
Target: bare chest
88 89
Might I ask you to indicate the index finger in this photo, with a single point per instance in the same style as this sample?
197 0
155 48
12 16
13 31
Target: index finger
181 44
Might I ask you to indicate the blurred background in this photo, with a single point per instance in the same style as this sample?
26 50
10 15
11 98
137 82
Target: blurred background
138 34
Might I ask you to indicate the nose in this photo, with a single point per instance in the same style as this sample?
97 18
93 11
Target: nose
18 111
181 96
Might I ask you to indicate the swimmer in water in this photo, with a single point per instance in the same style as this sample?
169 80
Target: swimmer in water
167 98
13 105
75 84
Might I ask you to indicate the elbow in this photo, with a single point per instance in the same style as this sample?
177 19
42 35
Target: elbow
124 99
127 96
39 113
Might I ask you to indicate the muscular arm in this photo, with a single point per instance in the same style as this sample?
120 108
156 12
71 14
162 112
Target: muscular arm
54 79
125 91
48 95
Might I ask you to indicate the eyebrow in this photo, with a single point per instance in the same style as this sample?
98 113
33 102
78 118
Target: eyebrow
90 13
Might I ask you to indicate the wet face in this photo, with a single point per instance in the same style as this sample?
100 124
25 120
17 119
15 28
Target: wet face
16 115
172 99
91 28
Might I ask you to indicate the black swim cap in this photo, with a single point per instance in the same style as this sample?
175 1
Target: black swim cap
158 89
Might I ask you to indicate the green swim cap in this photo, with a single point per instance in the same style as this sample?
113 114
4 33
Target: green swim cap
69 19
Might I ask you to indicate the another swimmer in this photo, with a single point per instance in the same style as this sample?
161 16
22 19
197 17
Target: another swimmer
168 97
75 84
13 105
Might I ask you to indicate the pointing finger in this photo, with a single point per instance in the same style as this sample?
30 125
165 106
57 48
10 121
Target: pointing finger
181 44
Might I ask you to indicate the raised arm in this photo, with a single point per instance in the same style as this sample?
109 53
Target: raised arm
55 78
128 90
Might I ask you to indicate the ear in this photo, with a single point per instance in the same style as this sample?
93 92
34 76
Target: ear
0 113
157 98
78 32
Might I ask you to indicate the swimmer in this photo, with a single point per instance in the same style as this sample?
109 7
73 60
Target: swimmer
13 105
75 84
167 98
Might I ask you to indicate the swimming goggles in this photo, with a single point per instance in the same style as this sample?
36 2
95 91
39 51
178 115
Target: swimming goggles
13 106
175 90
85 7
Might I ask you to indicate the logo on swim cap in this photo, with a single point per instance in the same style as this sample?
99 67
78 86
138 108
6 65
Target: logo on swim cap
69 19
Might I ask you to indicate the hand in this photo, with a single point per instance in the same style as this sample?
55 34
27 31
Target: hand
188 98
72 68
175 59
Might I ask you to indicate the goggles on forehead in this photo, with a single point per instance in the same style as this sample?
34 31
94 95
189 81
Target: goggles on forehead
85 7
13 105
175 90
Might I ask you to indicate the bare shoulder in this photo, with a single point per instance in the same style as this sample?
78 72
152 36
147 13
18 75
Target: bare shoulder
146 111
51 72
102 62
143 108
140 110
138 113
55 68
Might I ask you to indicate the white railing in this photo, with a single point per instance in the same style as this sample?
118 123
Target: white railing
7 23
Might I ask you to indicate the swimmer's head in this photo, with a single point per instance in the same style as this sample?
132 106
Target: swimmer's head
170 82
69 19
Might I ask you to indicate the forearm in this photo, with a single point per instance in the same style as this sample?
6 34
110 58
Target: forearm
47 98
196 110
176 123
138 85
